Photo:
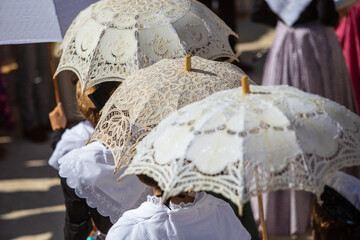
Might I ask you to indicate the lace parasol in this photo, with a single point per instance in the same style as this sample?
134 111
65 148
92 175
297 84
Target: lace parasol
150 95
112 39
277 137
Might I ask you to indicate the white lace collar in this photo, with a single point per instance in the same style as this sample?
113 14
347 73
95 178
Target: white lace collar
157 201
288 10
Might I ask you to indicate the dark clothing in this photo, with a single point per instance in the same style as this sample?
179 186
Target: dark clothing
55 137
33 85
225 11
322 10
78 216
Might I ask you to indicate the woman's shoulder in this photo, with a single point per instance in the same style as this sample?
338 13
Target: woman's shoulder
82 128
146 220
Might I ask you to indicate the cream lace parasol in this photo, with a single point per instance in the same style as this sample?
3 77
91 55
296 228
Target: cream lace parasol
150 95
276 137
112 39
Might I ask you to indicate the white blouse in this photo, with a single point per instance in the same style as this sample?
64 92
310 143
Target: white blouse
288 10
73 138
207 218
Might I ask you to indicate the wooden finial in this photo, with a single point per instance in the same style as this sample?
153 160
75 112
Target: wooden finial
245 84
188 62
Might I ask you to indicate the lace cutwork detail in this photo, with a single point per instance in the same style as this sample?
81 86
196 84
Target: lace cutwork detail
147 97
157 201
112 39
297 140
97 184
154 199
96 198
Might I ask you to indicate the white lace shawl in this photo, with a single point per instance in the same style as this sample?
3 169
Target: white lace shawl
206 218
89 170
73 138
288 10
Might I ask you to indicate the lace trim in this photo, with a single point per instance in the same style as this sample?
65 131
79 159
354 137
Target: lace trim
154 93
243 176
157 201
94 196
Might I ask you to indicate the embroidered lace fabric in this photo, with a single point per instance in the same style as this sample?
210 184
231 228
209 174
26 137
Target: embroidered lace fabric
275 138
157 201
112 39
89 170
150 95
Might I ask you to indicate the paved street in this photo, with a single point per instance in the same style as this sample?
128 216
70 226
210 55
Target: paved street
31 202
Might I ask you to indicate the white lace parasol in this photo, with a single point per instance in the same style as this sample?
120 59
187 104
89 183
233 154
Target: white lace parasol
112 39
276 137
148 96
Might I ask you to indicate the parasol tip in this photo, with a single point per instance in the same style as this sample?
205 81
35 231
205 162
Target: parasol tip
245 84
188 62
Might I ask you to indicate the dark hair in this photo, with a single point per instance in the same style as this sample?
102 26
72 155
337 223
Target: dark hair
148 180
84 103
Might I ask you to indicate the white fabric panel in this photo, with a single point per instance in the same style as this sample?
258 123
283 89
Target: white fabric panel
35 21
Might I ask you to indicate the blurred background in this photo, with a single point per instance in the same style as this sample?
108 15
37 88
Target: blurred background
31 202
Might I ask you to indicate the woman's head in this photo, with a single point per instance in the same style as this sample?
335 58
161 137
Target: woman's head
85 105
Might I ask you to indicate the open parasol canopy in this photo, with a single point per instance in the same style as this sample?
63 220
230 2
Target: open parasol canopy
150 95
38 21
112 39
35 21
241 145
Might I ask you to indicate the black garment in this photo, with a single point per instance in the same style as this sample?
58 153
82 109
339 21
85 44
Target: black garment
225 11
55 137
78 216
322 10
339 207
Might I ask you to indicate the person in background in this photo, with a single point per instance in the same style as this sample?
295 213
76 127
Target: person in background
348 33
226 10
305 54
92 194
33 87
79 216
195 216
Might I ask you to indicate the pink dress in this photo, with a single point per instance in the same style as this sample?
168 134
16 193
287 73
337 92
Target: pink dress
348 32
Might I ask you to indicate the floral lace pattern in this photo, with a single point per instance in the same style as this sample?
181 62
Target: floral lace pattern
112 39
239 145
147 97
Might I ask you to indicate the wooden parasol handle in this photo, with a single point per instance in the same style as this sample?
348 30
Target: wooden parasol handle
52 66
